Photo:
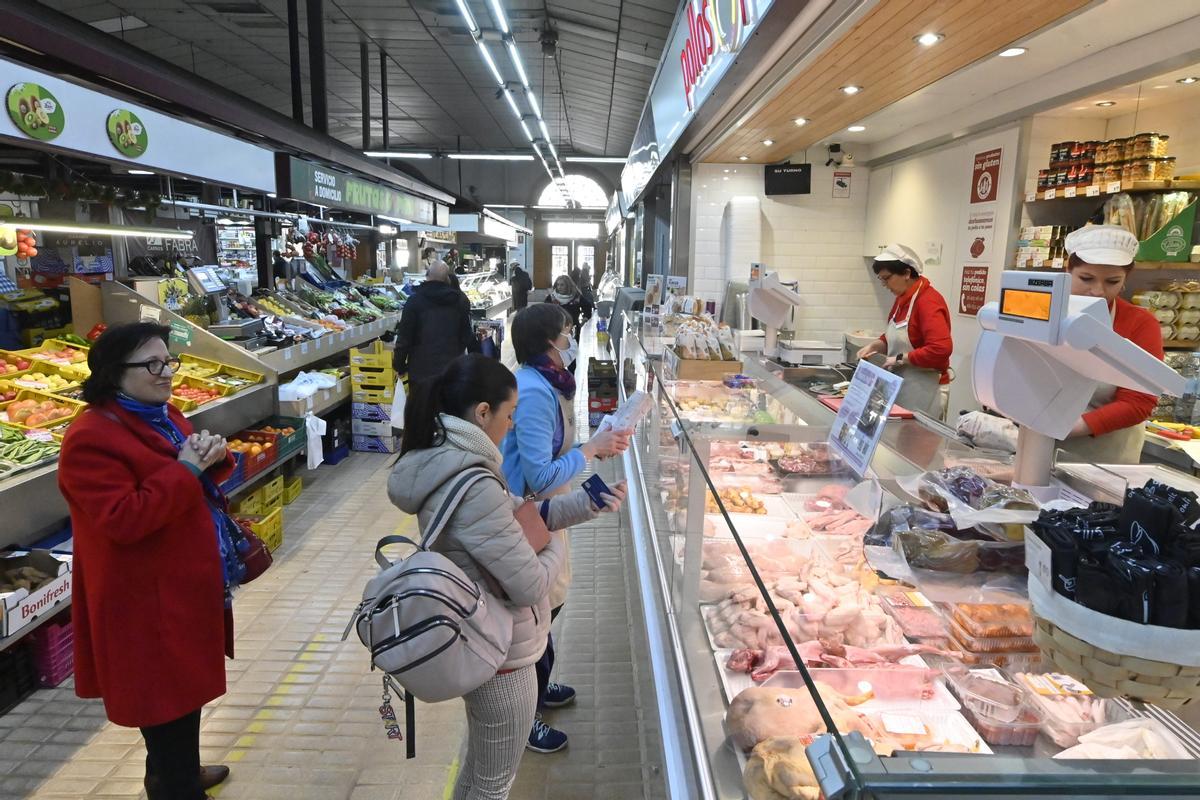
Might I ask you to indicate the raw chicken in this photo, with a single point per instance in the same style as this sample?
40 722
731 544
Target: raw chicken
779 768
760 712
763 663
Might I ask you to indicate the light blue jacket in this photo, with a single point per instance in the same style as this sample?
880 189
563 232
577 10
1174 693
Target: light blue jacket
529 462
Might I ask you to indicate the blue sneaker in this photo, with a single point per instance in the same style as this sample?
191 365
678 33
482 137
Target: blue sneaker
558 695
544 739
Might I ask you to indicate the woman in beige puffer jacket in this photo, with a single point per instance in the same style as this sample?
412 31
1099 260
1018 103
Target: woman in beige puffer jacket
456 426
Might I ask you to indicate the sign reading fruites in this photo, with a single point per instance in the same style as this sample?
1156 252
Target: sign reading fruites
35 111
127 133
311 183
713 26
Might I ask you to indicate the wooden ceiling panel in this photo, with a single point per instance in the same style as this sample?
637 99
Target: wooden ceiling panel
880 55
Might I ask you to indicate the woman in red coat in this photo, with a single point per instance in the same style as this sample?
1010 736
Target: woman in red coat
152 576
917 342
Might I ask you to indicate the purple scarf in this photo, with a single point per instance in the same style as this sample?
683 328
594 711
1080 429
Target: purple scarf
559 378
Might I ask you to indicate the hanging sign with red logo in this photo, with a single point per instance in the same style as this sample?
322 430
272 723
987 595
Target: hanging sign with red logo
714 26
985 176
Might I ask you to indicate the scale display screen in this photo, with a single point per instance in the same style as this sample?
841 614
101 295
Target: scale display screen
206 279
1026 304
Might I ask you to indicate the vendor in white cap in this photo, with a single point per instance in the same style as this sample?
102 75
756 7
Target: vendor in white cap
917 341
1111 430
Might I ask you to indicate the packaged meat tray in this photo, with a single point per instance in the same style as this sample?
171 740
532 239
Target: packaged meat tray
915 615
992 644
1013 661
888 688
1070 709
993 619
995 705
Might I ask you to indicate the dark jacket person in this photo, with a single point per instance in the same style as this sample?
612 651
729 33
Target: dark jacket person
435 328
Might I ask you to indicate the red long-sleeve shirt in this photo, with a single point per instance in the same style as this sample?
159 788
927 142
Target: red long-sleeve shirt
1129 408
929 328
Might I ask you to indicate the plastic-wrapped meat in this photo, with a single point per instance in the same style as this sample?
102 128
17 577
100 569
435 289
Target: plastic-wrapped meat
803 465
758 713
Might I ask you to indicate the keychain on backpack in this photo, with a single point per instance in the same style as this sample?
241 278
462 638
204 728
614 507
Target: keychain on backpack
387 713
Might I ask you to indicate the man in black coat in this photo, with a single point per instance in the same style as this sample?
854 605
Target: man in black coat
435 328
521 286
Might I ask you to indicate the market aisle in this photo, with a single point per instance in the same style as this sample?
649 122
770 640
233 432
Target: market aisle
300 719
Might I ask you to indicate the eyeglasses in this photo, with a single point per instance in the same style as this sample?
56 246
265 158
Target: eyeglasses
884 277
155 366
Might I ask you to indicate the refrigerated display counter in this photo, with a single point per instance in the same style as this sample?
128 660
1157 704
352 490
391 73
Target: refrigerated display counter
751 545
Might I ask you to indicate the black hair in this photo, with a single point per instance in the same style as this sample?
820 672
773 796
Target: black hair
468 381
427 252
111 352
895 268
535 328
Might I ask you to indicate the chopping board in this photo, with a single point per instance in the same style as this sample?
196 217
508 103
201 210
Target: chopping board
835 403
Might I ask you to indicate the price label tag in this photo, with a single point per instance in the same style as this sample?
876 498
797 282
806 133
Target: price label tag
676 429
1113 187
304 348
1057 263
287 354
1037 559
1037 262
1030 197
903 724
1069 191
1093 190
1048 194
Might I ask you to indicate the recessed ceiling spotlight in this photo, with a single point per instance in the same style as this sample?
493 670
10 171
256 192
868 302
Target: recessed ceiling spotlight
851 89
800 122
727 170
1106 103
768 142
857 128
1162 86
1188 80
743 158
928 39
1012 52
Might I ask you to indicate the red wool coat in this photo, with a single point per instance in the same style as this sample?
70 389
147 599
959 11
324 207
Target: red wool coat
148 597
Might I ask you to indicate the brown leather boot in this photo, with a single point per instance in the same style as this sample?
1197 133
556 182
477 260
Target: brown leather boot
210 776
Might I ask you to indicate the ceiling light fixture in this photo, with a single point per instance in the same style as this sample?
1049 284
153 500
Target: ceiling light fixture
387 230
512 103
498 13
800 122
490 156
1013 52
768 142
1162 86
851 89
1188 81
857 128
395 154
595 159
140 172
468 17
743 158
928 39
525 130
487 56
105 230
516 60
1106 103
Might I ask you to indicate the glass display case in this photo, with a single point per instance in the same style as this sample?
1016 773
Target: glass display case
787 664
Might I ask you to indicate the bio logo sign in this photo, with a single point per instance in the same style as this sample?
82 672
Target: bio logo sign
714 26
35 111
127 133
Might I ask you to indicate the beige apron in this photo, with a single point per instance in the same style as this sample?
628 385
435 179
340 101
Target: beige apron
1122 446
921 390
558 592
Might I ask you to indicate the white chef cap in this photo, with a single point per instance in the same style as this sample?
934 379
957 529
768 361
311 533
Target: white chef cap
1110 245
903 254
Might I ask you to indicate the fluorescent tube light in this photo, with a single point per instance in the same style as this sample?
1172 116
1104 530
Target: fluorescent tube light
498 13
487 56
489 157
395 154
102 230
468 17
595 160
516 60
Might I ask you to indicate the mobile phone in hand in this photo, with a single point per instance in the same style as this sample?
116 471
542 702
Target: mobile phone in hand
595 486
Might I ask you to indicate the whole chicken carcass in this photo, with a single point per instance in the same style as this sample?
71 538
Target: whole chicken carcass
779 769
760 712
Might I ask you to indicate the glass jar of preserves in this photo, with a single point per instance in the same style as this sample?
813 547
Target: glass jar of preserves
1138 169
1160 145
1143 145
1164 168
1112 171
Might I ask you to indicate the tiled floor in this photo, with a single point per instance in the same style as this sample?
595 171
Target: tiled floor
299 720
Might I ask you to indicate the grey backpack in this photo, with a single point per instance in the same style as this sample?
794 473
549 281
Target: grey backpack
435 631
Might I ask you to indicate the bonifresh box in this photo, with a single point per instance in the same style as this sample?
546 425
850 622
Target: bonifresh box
23 606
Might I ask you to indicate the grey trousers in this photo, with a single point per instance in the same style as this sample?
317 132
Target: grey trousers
499 716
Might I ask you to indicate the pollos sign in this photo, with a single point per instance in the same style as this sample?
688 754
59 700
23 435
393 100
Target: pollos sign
713 26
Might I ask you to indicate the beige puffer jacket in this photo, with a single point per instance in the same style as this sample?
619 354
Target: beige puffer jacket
483 537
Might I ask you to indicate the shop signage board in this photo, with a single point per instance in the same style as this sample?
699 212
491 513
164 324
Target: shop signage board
703 44
981 223
972 293
77 119
181 333
127 133
323 186
985 176
841 184
63 255
863 414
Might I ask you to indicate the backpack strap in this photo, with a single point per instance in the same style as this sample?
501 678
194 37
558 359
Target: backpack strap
380 558
458 490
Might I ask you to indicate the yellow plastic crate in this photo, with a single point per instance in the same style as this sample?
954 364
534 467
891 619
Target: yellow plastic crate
197 367
373 355
269 528
272 494
291 491
250 504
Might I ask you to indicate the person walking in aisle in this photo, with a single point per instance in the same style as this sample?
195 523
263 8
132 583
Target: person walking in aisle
457 426
541 458
522 285
587 295
434 329
153 572
565 293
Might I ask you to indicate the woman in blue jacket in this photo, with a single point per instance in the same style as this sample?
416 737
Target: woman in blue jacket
541 458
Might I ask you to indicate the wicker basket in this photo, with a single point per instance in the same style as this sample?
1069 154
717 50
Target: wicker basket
1113 675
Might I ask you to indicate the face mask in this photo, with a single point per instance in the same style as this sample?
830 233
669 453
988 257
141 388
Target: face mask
570 353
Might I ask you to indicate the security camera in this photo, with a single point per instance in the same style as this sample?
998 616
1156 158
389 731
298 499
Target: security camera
835 155
549 40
